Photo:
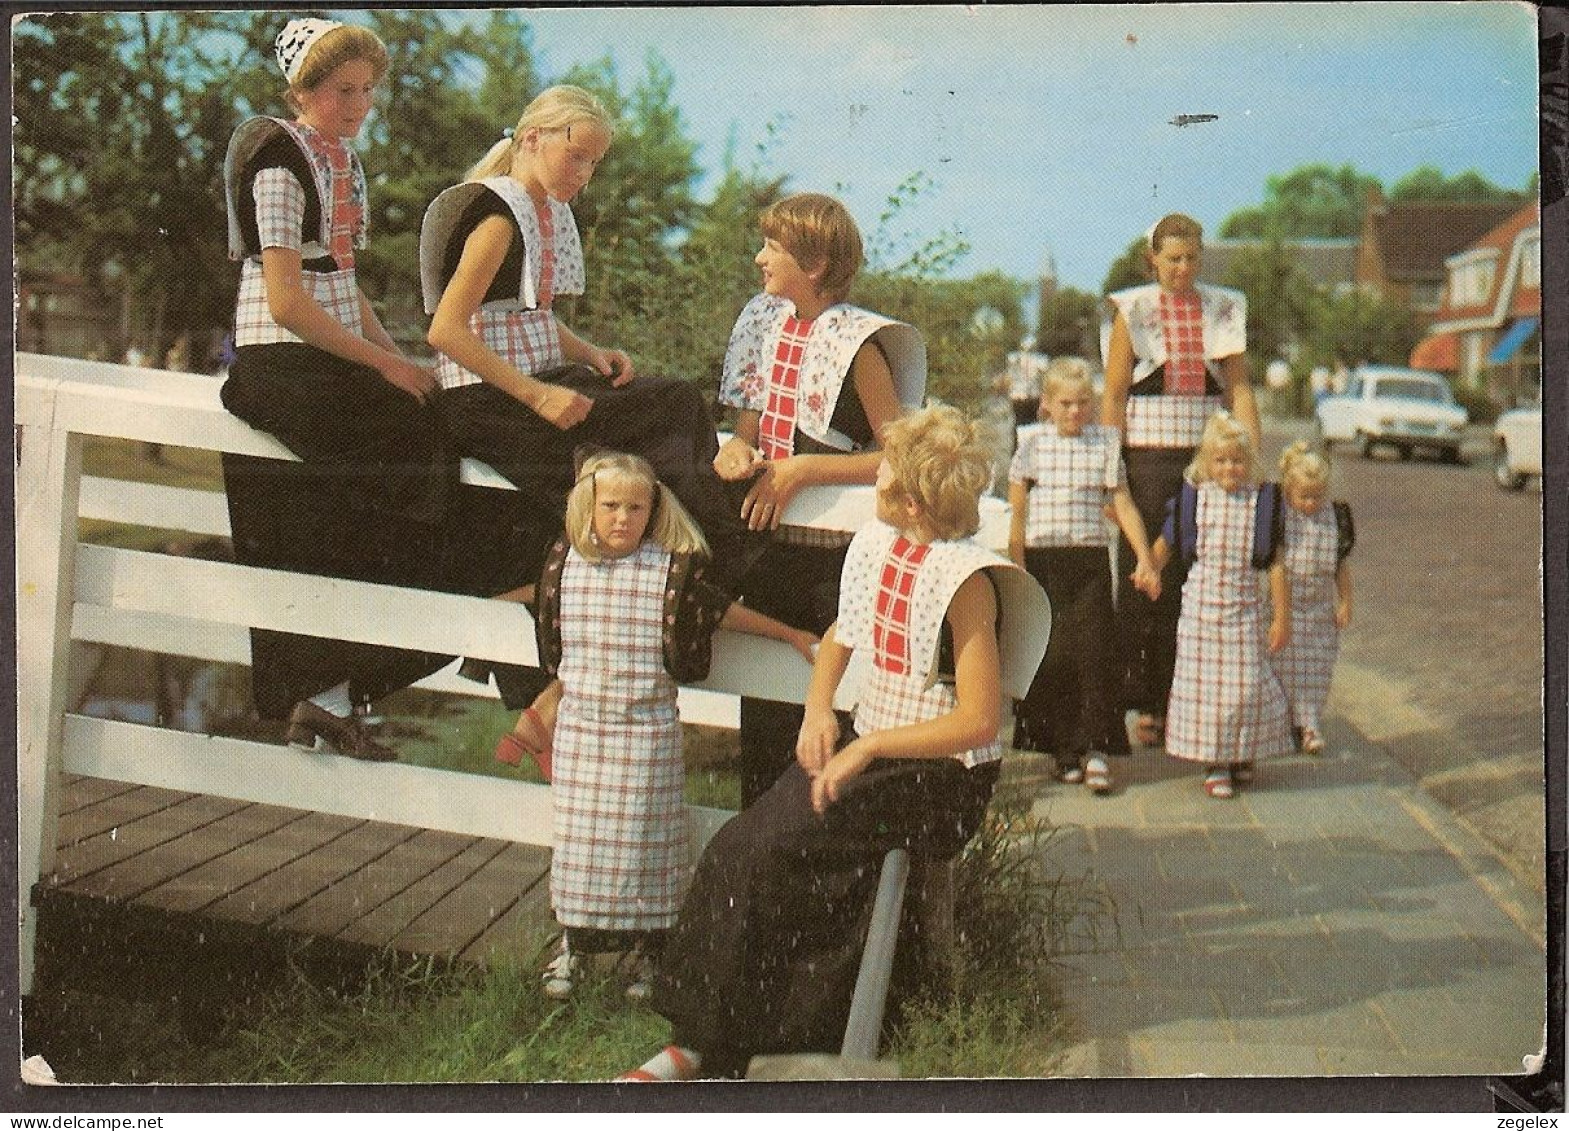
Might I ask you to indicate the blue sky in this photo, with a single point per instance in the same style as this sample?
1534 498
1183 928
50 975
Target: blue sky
1047 127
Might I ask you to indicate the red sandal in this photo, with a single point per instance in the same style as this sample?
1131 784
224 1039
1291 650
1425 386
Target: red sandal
511 748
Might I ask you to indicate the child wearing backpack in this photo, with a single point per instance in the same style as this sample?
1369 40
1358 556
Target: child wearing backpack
1227 709
1318 541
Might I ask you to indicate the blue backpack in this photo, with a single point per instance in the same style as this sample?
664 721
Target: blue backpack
1268 524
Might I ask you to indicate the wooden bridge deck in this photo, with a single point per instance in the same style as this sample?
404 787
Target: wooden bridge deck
280 876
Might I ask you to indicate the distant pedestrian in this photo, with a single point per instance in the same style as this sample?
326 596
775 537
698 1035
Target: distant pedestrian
1227 709
1318 541
1065 473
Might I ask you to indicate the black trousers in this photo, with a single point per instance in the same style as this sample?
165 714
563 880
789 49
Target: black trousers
798 585
1147 630
370 502
764 955
664 420
1074 704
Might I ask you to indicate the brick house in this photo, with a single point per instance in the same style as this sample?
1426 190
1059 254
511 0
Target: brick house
1487 330
1404 246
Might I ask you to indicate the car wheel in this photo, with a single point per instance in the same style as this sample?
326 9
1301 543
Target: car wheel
1404 451
1453 455
1365 445
1505 476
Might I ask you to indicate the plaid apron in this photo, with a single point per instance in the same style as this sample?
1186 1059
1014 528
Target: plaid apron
620 822
1304 666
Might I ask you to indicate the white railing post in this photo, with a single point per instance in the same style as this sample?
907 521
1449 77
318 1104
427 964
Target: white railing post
48 480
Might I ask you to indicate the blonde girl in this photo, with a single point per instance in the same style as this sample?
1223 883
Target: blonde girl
1064 474
314 367
1318 541
625 613
1175 352
519 389
1227 709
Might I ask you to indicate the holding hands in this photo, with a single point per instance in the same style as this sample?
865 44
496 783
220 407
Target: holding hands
736 460
765 503
1146 579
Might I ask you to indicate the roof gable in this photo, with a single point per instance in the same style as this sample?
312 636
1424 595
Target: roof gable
1415 237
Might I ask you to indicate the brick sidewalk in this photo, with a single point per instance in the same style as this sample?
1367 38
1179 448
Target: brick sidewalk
1331 919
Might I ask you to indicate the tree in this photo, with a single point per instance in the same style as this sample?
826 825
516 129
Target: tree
1068 324
1129 269
1281 300
1309 201
1359 328
1427 182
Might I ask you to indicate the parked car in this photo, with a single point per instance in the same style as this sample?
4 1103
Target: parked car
1517 447
1404 409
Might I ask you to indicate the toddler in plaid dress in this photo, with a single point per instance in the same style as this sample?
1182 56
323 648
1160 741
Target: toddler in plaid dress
1318 541
1227 709
1065 473
764 953
617 775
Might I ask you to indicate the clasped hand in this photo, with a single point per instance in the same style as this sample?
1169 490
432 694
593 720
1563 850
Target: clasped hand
830 772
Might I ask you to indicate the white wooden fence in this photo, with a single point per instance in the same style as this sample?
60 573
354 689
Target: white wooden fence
69 592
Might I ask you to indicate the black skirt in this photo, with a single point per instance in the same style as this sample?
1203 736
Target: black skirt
1147 630
1074 703
764 955
370 502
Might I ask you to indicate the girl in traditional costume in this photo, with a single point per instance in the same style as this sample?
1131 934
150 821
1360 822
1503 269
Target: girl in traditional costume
1064 475
813 381
626 612
1227 709
314 367
1175 354
1318 541
519 389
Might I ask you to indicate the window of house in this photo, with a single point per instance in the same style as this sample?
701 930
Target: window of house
1531 262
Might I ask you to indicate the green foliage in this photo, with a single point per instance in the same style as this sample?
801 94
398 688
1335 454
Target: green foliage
1357 328
1427 182
1068 324
1311 200
1130 269
1282 301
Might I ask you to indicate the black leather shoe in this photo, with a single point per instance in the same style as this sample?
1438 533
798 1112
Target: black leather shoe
309 724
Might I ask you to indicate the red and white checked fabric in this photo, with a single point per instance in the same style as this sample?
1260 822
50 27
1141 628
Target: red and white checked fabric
1071 479
881 596
347 213
1182 323
891 610
1169 421
1306 664
280 212
617 775
1226 703
776 430
528 340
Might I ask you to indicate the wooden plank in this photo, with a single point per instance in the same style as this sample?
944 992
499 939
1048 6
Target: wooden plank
168 861
153 504
334 910
465 912
85 859
269 898
518 931
246 862
78 791
387 922
135 803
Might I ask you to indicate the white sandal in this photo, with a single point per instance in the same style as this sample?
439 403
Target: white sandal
1097 775
1217 783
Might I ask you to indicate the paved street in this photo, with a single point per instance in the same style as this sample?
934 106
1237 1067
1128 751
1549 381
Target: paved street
1374 911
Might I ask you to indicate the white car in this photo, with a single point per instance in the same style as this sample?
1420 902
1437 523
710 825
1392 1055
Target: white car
1404 409
1517 447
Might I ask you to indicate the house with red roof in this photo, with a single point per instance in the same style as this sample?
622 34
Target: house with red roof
1487 329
